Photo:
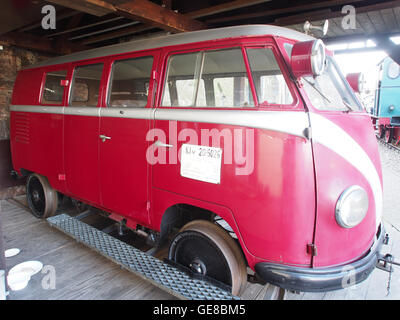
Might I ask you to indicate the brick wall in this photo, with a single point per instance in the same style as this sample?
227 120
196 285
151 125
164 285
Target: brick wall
12 59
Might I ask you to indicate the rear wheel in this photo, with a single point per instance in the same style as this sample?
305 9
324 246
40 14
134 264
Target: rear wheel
42 198
208 250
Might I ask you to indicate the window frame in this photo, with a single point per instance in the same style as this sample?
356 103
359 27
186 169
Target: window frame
152 80
231 45
43 84
285 73
72 79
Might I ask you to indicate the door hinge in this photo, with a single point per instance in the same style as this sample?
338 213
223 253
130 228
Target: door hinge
148 205
312 249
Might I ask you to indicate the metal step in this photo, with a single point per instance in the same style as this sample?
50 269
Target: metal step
157 272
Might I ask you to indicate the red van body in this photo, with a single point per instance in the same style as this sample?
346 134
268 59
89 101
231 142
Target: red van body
282 212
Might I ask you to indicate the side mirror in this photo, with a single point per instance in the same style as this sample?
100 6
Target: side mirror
356 81
308 58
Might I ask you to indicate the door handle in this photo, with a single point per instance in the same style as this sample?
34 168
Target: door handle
104 138
158 143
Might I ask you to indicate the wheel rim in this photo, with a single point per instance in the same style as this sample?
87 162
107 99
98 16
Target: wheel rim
200 254
42 198
36 197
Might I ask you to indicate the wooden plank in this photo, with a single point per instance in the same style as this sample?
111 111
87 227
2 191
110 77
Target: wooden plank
389 19
324 14
396 12
80 272
366 23
283 10
227 6
60 16
157 16
94 7
41 44
116 34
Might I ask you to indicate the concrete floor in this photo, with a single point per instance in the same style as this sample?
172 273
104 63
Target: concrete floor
84 274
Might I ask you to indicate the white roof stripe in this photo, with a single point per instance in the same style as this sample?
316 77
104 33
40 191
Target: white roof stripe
176 39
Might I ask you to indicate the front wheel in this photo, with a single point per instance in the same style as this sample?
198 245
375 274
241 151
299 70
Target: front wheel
208 250
42 198
389 135
382 131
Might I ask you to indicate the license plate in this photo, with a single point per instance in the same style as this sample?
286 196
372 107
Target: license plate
201 163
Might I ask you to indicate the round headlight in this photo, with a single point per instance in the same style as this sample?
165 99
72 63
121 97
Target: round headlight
318 58
308 58
351 207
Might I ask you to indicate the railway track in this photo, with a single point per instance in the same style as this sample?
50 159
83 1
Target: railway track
388 145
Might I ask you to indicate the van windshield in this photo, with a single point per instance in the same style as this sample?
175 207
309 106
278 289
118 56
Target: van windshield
329 90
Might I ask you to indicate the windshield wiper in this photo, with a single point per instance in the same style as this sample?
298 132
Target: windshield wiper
316 89
348 106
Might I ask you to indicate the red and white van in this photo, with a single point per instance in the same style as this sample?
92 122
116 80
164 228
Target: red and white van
242 146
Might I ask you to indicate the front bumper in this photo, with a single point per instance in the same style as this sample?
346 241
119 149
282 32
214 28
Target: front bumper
322 279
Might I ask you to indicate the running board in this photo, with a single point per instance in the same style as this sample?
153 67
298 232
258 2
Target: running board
162 275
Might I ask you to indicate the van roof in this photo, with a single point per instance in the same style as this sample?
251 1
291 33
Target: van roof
176 39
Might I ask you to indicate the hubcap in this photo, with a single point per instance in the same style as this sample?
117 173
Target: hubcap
36 196
198 266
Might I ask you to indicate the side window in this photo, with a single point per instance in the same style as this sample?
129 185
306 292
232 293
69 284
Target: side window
216 78
270 84
86 85
53 91
130 83
181 81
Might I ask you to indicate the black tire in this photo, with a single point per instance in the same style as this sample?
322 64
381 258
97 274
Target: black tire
41 197
209 250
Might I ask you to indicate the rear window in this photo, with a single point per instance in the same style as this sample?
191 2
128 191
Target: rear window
53 92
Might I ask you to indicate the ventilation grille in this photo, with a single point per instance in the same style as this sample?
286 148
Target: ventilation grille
22 127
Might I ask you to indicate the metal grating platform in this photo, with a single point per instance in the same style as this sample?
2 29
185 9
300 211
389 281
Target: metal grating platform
160 274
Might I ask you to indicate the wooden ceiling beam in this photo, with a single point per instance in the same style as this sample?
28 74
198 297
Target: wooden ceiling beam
138 10
328 13
224 7
158 16
285 10
36 43
116 34
60 16
97 8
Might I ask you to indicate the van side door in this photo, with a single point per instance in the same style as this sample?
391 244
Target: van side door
125 121
81 132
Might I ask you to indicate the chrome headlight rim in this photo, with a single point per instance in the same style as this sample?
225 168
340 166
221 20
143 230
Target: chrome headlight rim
345 194
318 57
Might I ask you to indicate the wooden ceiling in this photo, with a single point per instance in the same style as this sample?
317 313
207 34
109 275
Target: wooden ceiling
84 24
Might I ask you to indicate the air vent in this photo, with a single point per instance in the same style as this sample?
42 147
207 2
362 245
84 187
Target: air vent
22 127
